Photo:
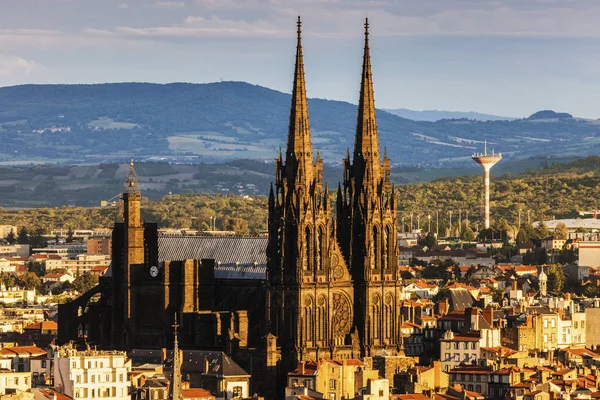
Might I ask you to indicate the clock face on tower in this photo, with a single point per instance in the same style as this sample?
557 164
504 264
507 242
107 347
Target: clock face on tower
154 271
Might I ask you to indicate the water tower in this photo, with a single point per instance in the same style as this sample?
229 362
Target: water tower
487 161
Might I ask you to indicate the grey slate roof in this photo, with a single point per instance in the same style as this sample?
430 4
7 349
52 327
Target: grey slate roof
218 362
235 257
460 299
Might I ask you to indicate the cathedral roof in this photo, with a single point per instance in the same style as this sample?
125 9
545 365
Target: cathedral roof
250 253
218 363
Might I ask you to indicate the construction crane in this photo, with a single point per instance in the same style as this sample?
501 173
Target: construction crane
112 202
592 212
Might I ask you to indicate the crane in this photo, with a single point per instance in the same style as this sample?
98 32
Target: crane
592 212
112 202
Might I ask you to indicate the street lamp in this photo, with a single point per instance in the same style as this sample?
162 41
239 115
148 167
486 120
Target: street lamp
428 223
411 222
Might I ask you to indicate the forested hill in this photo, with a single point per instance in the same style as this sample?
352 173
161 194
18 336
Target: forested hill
235 120
559 191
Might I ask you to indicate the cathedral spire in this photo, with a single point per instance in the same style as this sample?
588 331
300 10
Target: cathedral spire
299 146
366 144
176 377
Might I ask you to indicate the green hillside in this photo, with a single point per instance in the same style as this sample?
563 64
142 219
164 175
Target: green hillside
558 190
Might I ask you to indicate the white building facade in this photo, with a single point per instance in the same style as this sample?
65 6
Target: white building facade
92 374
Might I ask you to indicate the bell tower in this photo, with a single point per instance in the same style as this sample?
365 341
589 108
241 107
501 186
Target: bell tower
134 229
367 227
309 304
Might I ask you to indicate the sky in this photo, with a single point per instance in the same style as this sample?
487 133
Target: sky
505 57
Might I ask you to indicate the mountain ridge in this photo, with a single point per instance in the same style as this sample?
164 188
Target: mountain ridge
221 121
437 115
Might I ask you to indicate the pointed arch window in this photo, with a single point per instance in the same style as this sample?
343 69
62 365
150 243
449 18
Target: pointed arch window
376 247
308 251
387 247
320 248
308 323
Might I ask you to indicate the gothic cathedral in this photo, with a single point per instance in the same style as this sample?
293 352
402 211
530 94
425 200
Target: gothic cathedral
333 285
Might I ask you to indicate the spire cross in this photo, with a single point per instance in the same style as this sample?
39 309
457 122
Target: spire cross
299 23
175 326
366 28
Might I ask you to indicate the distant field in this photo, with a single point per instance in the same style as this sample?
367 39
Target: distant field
109 123
222 146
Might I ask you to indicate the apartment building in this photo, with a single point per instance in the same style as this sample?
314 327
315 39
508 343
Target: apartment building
91 374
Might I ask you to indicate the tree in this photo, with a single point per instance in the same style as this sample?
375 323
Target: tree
541 231
23 237
238 225
430 240
525 233
7 280
468 235
540 257
30 281
443 293
405 275
556 279
11 238
561 232
85 282
36 267
70 234
591 291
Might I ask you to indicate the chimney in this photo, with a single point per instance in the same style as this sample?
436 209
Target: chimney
514 285
163 353
301 367
442 307
488 315
206 365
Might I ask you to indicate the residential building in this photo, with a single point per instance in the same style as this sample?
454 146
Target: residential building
99 245
5 230
16 295
589 254
471 377
423 289
458 350
15 250
11 381
333 379
21 356
92 374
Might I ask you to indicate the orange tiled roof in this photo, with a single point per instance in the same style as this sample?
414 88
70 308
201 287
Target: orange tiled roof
44 326
195 392
22 350
53 394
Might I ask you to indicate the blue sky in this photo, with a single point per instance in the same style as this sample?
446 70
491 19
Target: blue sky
508 57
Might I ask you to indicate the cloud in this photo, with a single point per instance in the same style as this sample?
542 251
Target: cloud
169 4
12 65
337 18
123 6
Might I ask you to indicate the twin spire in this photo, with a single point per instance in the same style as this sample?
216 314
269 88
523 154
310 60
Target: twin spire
366 142
366 145
299 146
